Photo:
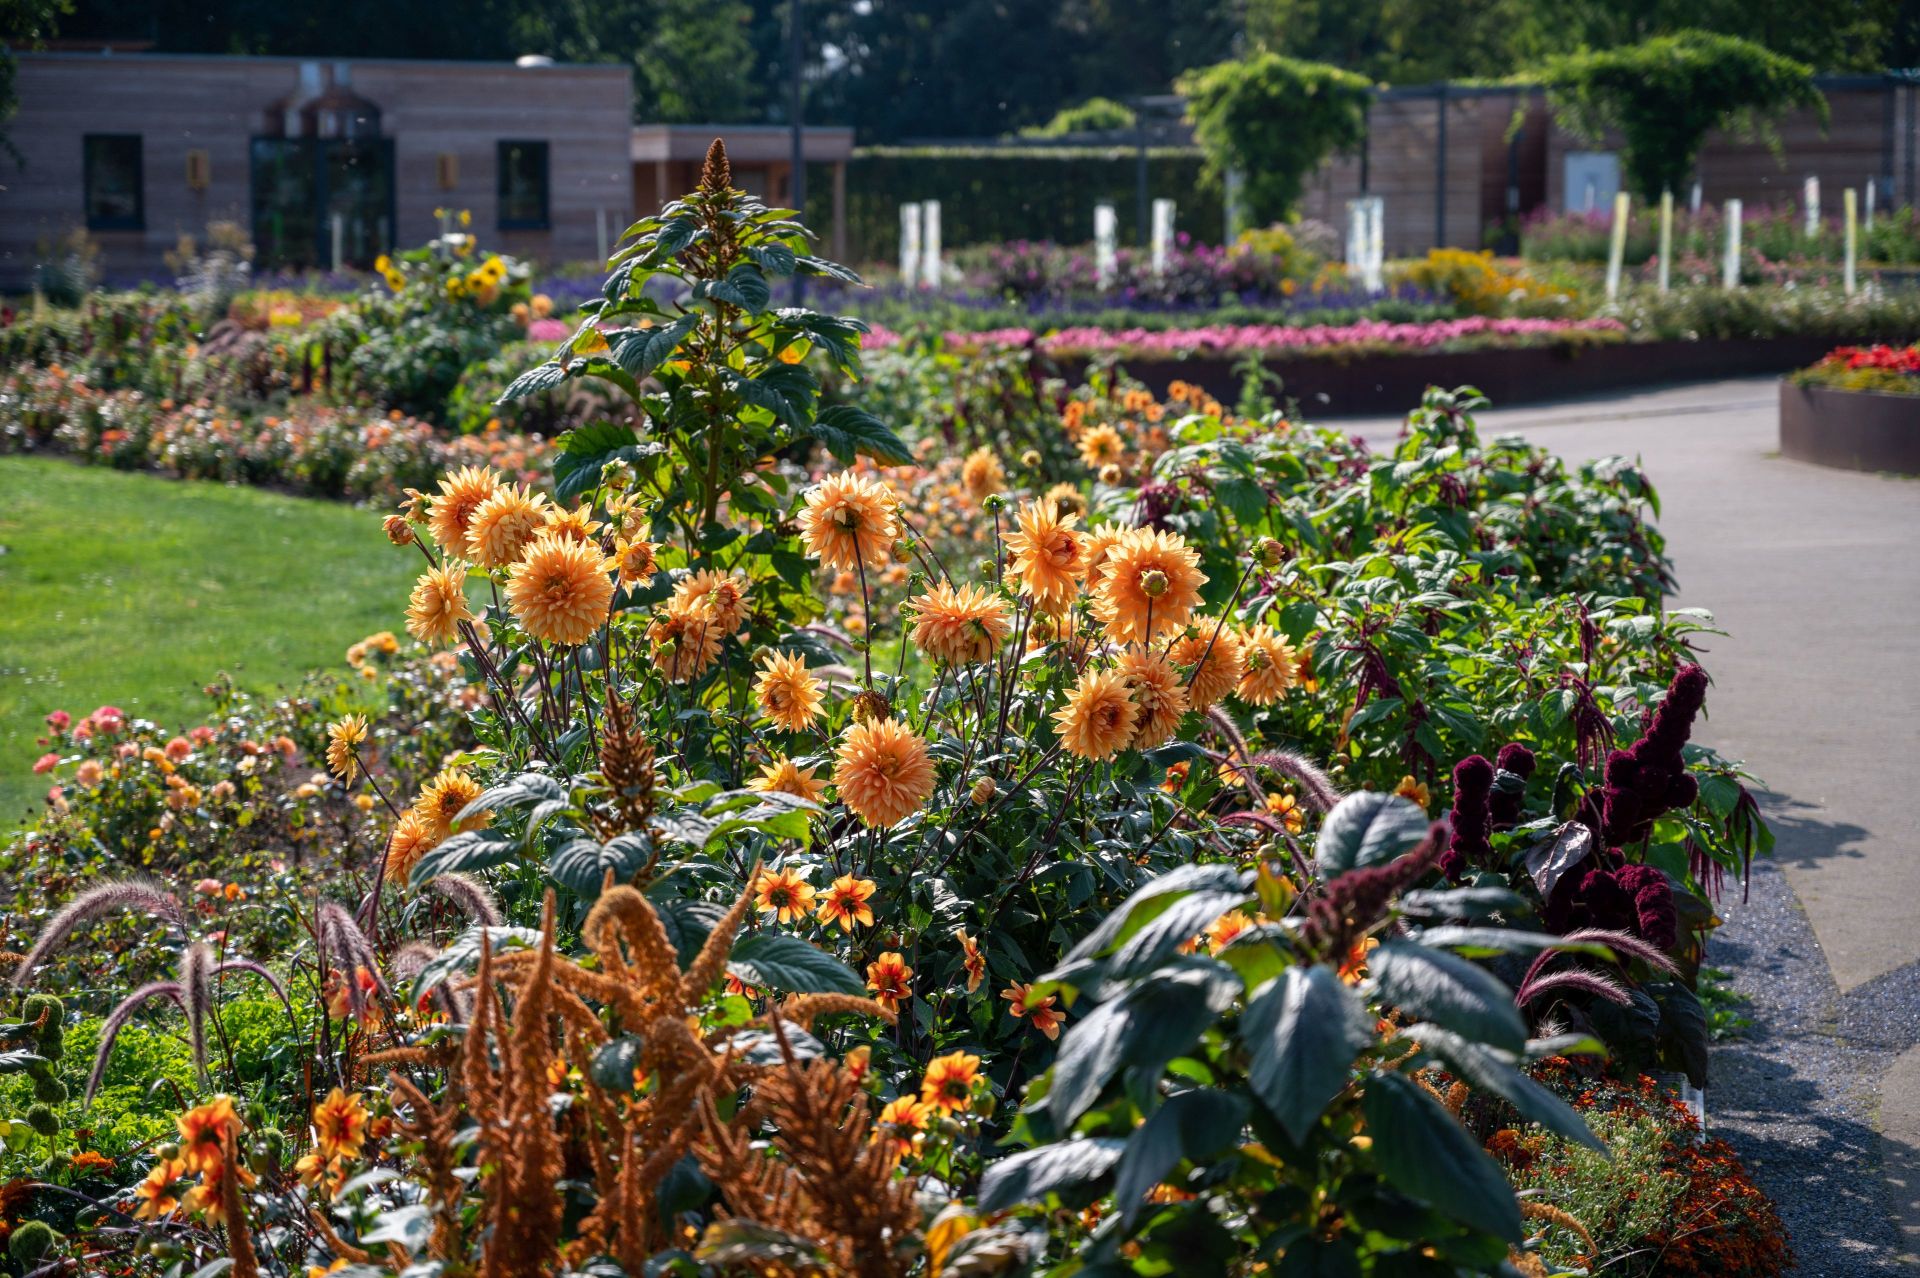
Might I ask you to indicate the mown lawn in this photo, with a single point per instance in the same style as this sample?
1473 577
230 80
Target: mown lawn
135 590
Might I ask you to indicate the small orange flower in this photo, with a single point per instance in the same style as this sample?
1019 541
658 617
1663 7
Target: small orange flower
1040 1011
1269 664
722 597
560 589
637 562
444 798
948 1085
343 740
971 956
685 644
340 1125
1212 658
1101 445
890 979
504 524
1148 585
845 903
439 603
787 693
982 473
202 1131
785 894
155 1193
411 839
1159 696
1414 790
1222 931
1287 808
462 493
901 1123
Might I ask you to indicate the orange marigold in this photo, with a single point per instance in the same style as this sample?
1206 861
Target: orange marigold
849 520
959 626
1148 586
1097 721
883 771
560 589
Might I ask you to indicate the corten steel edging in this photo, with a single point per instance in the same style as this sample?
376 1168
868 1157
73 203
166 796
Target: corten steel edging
1368 385
1850 430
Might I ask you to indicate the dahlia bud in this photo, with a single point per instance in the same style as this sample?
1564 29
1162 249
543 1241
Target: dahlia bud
1271 552
416 505
903 549
993 503
1110 474
983 791
399 531
870 706
1042 628
1031 459
984 567
1154 583
617 475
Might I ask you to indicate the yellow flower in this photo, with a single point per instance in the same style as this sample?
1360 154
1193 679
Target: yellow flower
560 590
784 776
1101 445
959 626
503 525
1159 696
1148 586
1047 555
1268 665
439 603
395 280
785 894
461 494
845 903
721 596
1221 931
1414 790
342 740
982 473
340 1125
850 520
948 1085
1212 659
382 264
1287 808
890 980
883 772
1097 721
577 525
444 798
786 693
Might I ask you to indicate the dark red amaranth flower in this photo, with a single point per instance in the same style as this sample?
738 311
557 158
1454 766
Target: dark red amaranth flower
1155 503
1471 818
1649 777
1348 907
1655 916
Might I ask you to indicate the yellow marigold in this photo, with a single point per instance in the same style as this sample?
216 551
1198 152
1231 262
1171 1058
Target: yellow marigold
577 525
786 693
1269 666
890 980
784 776
343 739
1101 445
503 525
1159 696
722 595
636 561
845 903
1047 554
1098 719
948 1085
1212 659
883 771
685 644
439 603
785 894
560 590
1148 586
849 520
411 839
443 799
960 625
461 494
982 473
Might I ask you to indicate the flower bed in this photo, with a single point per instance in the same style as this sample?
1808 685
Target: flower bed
1856 409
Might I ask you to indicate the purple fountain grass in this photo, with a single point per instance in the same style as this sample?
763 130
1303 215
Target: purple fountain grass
107 898
117 1020
468 895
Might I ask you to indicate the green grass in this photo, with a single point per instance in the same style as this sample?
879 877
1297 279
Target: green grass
134 590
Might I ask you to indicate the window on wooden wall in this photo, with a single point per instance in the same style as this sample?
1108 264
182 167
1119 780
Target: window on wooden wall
112 182
523 186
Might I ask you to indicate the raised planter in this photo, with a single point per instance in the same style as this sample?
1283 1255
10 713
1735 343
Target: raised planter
1852 430
1390 384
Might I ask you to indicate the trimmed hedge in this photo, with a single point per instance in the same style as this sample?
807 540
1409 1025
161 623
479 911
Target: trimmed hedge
989 194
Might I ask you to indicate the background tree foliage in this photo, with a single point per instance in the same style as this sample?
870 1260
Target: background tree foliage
1235 107
1666 94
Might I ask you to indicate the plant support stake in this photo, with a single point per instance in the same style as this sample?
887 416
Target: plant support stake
1810 200
1106 235
930 244
1850 205
1162 235
909 244
1617 247
1730 267
1666 239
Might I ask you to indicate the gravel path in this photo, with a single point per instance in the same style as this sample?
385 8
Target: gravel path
1815 574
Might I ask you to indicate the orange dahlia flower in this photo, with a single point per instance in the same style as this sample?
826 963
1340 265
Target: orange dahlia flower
849 520
461 494
891 980
1098 719
684 643
959 626
443 799
883 771
1047 554
787 693
784 776
1148 586
1159 696
948 1084
439 603
412 838
1212 659
560 590
504 523
1269 665
785 894
845 903
722 596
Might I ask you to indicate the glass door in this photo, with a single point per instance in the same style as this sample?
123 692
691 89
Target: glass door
358 203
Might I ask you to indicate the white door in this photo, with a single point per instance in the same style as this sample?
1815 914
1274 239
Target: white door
1593 179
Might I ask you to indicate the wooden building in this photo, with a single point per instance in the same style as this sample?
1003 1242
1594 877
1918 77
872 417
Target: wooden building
667 160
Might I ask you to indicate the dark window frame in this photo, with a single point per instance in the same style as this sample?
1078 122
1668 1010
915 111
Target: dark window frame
545 221
138 221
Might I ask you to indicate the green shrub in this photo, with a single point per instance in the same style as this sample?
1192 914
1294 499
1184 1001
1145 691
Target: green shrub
1237 107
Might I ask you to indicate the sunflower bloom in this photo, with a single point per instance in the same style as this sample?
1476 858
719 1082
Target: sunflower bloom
851 520
560 590
504 524
959 626
786 693
439 603
461 494
883 771
1148 586
948 1084
785 894
343 741
784 776
845 903
1213 662
721 596
1269 665
1159 696
982 474
685 644
412 838
890 980
443 799
1098 719
1047 555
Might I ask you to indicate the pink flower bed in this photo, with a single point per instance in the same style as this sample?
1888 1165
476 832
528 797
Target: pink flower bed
1229 340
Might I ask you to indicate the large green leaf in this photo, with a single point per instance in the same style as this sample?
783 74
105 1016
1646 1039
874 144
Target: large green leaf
538 378
791 964
787 391
1482 1067
1141 1030
581 865
845 431
745 286
1302 1033
641 350
465 852
1434 985
1174 927
585 452
1368 828
1150 901
1422 1151
1193 1125
1051 1169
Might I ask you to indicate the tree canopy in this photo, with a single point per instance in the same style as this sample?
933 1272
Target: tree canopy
1273 120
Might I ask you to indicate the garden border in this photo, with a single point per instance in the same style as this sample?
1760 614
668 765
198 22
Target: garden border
1330 387
1850 430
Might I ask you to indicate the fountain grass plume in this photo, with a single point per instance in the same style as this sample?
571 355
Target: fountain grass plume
94 903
